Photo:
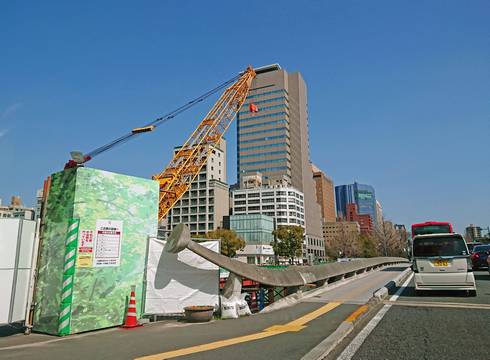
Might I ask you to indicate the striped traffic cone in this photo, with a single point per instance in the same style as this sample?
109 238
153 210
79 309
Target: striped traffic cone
131 320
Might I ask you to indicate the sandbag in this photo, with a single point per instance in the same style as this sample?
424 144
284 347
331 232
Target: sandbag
242 308
228 309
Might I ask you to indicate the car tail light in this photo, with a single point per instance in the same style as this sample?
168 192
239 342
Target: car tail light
475 256
470 265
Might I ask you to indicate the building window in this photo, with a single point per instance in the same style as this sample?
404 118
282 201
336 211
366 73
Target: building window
262 162
264 154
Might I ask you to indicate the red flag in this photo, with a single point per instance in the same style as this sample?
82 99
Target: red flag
253 108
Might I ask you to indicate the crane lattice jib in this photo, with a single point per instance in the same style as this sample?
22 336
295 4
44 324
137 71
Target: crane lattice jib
188 161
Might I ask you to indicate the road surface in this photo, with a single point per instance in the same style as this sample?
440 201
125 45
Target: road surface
288 333
446 325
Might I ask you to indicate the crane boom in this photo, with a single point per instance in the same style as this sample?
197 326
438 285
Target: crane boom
188 161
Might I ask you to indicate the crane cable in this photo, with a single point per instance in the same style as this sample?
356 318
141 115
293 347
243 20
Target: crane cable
123 139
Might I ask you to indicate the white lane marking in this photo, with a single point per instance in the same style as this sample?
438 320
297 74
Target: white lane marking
402 288
439 304
355 344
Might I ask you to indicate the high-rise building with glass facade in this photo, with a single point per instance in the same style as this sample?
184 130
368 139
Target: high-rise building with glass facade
362 195
274 139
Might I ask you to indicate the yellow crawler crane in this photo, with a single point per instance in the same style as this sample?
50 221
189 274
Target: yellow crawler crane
186 164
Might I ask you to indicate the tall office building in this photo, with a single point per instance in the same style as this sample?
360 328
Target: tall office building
324 194
274 139
360 194
205 204
473 233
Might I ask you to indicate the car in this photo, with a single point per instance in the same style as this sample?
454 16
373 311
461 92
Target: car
479 256
471 245
442 262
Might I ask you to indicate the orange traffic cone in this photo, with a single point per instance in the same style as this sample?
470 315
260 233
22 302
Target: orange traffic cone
131 320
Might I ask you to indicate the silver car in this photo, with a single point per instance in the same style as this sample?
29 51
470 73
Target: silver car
442 262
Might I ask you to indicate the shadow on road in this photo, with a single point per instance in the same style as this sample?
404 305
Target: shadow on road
480 277
394 269
410 292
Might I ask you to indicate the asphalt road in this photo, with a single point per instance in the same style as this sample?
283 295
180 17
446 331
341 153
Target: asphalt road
282 334
413 328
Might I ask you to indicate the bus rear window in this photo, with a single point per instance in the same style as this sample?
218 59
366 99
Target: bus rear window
431 229
439 246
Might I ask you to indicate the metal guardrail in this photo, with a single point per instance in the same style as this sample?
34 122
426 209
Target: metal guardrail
291 276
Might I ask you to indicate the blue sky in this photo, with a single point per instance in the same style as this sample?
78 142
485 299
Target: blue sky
398 90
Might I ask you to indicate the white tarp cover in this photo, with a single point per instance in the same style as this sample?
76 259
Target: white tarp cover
175 281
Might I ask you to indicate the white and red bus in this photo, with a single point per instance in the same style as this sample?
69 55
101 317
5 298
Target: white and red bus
432 227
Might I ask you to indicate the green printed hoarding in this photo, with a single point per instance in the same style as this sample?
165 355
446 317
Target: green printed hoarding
93 249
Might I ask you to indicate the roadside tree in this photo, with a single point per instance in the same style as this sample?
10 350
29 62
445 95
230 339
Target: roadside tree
289 241
230 242
390 241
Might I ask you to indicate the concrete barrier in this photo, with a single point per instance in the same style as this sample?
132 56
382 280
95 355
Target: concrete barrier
292 276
